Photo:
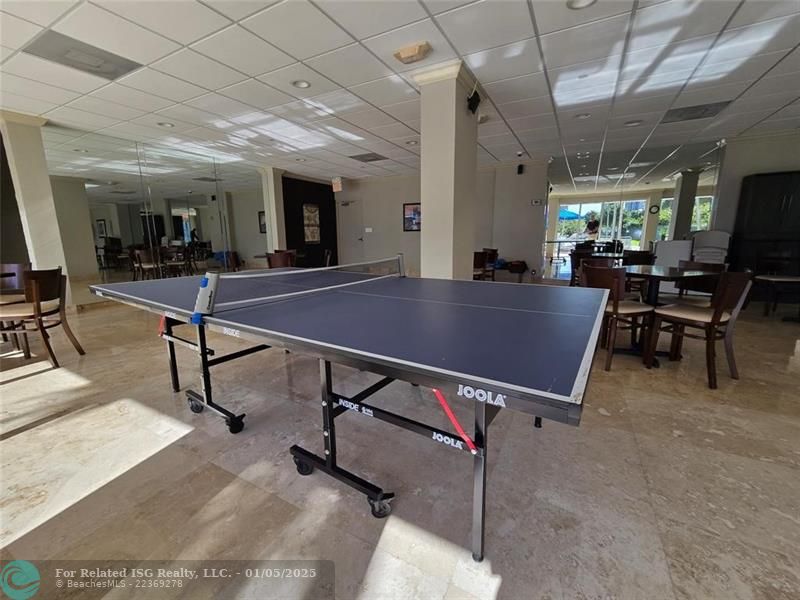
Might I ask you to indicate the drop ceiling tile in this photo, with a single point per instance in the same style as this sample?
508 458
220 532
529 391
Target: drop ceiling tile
504 62
793 110
492 127
16 32
242 50
676 20
353 15
657 60
79 118
132 131
238 9
467 26
643 105
553 16
299 28
282 80
589 42
41 12
763 38
153 120
528 123
654 85
339 102
350 65
736 70
389 90
44 71
5 52
754 11
385 45
256 94
222 105
157 83
370 118
407 112
104 107
518 88
538 137
695 95
190 114
774 85
393 131
525 108
302 111
33 89
98 27
121 94
198 69
23 104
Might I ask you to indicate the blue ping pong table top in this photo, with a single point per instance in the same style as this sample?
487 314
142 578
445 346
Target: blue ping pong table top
536 339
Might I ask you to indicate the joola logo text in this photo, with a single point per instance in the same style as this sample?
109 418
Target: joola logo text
447 440
481 395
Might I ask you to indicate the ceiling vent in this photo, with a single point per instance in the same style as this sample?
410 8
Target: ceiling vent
206 179
70 52
368 157
690 113
124 192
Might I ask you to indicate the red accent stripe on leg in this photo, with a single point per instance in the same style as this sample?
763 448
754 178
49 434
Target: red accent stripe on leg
460 430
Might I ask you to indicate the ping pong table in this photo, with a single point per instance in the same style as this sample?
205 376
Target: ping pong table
526 348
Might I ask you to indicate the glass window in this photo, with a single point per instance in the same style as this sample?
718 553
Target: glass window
664 218
632 223
701 214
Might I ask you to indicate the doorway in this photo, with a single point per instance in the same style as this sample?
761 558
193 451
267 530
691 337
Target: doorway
309 211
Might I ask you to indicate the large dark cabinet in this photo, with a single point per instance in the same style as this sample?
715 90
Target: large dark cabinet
766 238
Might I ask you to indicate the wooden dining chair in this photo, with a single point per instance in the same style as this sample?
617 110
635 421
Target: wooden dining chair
43 309
146 266
11 289
704 285
327 257
278 260
620 313
716 321
491 258
576 257
637 285
605 263
479 266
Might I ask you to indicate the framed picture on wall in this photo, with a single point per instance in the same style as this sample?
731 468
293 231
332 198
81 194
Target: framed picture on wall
412 216
262 221
101 228
311 227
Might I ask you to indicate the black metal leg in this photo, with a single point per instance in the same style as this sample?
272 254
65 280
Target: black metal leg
652 291
479 483
173 363
328 425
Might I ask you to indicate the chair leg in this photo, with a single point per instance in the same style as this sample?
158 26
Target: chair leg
729 352
46 340
604 333
634 329
71 335
612 338
675 343
710 358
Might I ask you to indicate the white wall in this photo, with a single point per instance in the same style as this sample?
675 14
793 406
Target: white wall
246 238
504 217
749 156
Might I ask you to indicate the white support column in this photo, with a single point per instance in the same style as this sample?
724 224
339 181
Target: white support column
22 138
683 205
448 173
651 219
272 189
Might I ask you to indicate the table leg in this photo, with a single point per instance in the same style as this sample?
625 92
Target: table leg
652 291
479 483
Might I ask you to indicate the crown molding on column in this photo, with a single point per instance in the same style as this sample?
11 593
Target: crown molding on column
447 71
21 118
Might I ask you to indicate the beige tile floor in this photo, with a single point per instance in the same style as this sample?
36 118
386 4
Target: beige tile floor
666 490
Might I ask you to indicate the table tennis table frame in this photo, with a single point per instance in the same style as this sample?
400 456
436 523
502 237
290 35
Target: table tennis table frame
538 405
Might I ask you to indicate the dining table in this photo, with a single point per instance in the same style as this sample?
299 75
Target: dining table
655 274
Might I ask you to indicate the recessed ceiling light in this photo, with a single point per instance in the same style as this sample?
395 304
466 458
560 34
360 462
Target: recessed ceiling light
613 169
583 116
301 83
581 139
579 4
80 150
165 124
634 123
412 143
300 159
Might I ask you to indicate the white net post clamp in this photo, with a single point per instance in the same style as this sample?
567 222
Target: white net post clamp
204 305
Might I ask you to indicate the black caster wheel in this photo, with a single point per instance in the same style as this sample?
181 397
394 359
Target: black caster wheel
195 406
380 508
235 425
303 467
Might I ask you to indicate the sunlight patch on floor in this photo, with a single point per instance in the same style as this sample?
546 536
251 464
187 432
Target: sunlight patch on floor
50 467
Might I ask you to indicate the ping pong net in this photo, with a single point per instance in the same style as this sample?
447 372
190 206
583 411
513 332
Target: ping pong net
221 292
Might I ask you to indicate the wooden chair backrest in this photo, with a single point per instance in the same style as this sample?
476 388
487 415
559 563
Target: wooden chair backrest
15 281
728 294
491 255
706 285
277 260
43 285
479 260
612 279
